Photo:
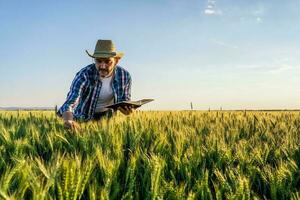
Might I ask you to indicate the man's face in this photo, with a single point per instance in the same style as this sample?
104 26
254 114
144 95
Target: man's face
105 66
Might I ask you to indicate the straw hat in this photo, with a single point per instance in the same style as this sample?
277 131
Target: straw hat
105 49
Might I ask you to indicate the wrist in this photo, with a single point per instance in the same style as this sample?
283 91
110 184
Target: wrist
67 116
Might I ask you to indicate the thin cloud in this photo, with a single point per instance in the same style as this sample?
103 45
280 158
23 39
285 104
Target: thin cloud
258 20
211 8
223 44
255 13
282 68
283 64
269 69
258 13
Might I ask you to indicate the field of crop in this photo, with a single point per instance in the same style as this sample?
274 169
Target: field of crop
151 155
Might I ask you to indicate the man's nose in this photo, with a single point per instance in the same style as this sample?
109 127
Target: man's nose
102 65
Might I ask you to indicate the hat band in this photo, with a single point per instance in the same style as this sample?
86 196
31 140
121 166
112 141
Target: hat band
105 52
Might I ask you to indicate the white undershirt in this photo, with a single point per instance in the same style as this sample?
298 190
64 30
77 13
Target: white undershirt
106 96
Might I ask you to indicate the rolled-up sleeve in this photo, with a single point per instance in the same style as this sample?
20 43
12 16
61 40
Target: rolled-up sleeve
74 94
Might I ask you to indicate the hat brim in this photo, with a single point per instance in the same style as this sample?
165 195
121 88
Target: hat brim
106 55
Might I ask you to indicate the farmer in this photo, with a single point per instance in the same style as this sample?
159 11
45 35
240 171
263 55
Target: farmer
96 86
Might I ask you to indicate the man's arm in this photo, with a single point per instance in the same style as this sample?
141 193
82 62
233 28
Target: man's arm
77 86
127 96
127 89
68 121
68 116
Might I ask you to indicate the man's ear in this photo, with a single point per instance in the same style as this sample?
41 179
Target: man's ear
117 60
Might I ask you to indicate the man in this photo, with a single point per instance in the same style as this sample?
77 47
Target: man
96 86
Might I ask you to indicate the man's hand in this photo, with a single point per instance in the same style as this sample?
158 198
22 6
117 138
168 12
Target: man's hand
126 110
70 124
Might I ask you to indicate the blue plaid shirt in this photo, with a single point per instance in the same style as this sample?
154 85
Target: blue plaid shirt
85 89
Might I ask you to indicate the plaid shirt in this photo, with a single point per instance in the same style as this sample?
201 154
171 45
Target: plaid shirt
85 89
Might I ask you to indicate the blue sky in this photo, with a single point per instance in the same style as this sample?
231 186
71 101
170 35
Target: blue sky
222 53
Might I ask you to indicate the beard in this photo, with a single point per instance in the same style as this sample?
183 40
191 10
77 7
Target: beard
104 73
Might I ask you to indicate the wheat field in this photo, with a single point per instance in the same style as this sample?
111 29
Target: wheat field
151 155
